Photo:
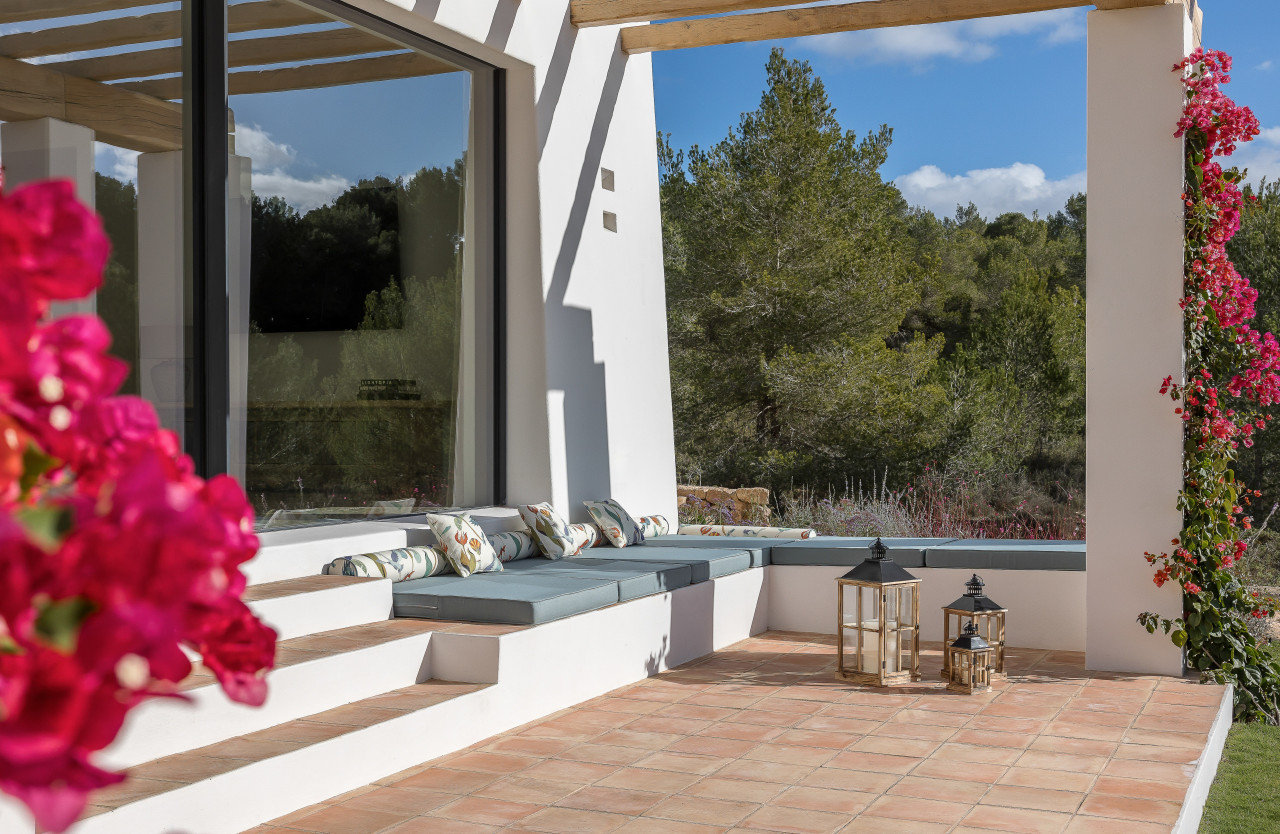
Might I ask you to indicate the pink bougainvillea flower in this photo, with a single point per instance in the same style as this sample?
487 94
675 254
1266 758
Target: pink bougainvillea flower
50 243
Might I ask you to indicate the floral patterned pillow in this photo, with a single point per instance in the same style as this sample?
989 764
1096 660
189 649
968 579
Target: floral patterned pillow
616 524
465 545
550 531
397 565
654 525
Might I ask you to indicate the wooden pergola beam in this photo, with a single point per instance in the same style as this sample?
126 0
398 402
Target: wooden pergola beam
605 12
846 17
119 117
306 77
17 11
305 46
157 26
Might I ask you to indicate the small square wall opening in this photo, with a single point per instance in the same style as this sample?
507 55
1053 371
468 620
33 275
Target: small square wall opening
606 179
611 221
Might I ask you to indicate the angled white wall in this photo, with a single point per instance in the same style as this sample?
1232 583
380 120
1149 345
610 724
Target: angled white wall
588 382
1133 328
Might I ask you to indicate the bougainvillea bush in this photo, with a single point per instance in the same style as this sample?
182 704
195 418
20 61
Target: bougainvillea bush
114 555
1230 381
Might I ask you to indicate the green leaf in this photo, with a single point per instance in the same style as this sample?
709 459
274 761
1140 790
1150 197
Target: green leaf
58 623
1179 638
46 526
35 463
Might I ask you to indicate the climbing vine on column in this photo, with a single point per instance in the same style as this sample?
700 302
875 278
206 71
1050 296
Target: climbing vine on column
1231 380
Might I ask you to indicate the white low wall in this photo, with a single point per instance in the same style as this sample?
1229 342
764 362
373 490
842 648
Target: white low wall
1046 608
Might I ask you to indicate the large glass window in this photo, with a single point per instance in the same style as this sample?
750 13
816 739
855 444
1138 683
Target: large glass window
359 275
351 374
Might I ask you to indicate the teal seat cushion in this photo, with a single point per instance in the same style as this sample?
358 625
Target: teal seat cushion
635 579
706 562
1007 554
850 550
759 548
515 597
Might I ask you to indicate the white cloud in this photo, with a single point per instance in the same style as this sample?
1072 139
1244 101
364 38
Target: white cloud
1264 66
271 177
1018 187
966 40
120 163
1261 156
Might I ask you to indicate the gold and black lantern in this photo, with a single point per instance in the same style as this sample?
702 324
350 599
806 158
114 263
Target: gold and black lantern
879 622
969 662
986 616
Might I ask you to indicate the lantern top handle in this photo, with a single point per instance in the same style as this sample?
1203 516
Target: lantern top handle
878 550
973 588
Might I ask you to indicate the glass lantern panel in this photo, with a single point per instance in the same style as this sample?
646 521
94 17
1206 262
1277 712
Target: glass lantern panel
870 611
866 659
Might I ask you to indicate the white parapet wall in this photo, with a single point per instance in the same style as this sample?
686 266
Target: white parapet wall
1046 608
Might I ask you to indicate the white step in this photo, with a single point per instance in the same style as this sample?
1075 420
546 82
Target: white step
238 784
313 604
312 674
304 551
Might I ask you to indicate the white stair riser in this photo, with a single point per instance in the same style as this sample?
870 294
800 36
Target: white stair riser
342 606
165 727
289 554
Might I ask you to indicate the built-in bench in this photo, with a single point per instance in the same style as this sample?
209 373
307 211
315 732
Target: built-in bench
537 590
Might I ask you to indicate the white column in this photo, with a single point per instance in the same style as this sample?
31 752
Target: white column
41 149
239 252
1133 329
161 316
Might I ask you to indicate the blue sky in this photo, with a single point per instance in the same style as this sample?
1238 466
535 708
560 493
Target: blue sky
991 111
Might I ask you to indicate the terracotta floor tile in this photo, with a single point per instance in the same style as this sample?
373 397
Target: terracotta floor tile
772 718
186 768
932 717
607 754
644 741
851 780
523 789
435 825
341 819
663 781
304 732
613 800
645 825
499 763
562 770
852 727
992 738
959 770
1194 741
945 790
486 810
925 732
1030 777
918 748
254 750
572 821
877 762
1124 807
663 724
628 705
446 781
921 810
815 738
1070 762
683 762
737 790
764 771
952 752
1140 788
796 820
1150 753
712 746
790 754
887 825
1073 746
398 801
824 799
1016 820
1156 771
702 810
1039 799
1096 732
1103 825
529 746
131 790
742 732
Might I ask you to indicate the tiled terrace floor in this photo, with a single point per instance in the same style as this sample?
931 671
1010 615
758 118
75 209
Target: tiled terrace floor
760 737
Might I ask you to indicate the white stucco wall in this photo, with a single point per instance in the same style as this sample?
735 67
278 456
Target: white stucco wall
1134 327
589 403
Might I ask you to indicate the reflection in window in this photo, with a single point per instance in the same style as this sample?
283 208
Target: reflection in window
354 391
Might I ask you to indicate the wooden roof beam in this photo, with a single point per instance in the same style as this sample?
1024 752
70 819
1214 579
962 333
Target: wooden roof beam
605 12
118 117
284 49
157 26
17 11
306 77
846 17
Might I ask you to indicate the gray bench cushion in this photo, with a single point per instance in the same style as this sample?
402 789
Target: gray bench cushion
759 548
706 562
842 550
1006 554
634 579
519 598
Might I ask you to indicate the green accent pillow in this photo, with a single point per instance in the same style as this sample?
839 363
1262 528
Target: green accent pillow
615 523
465 545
